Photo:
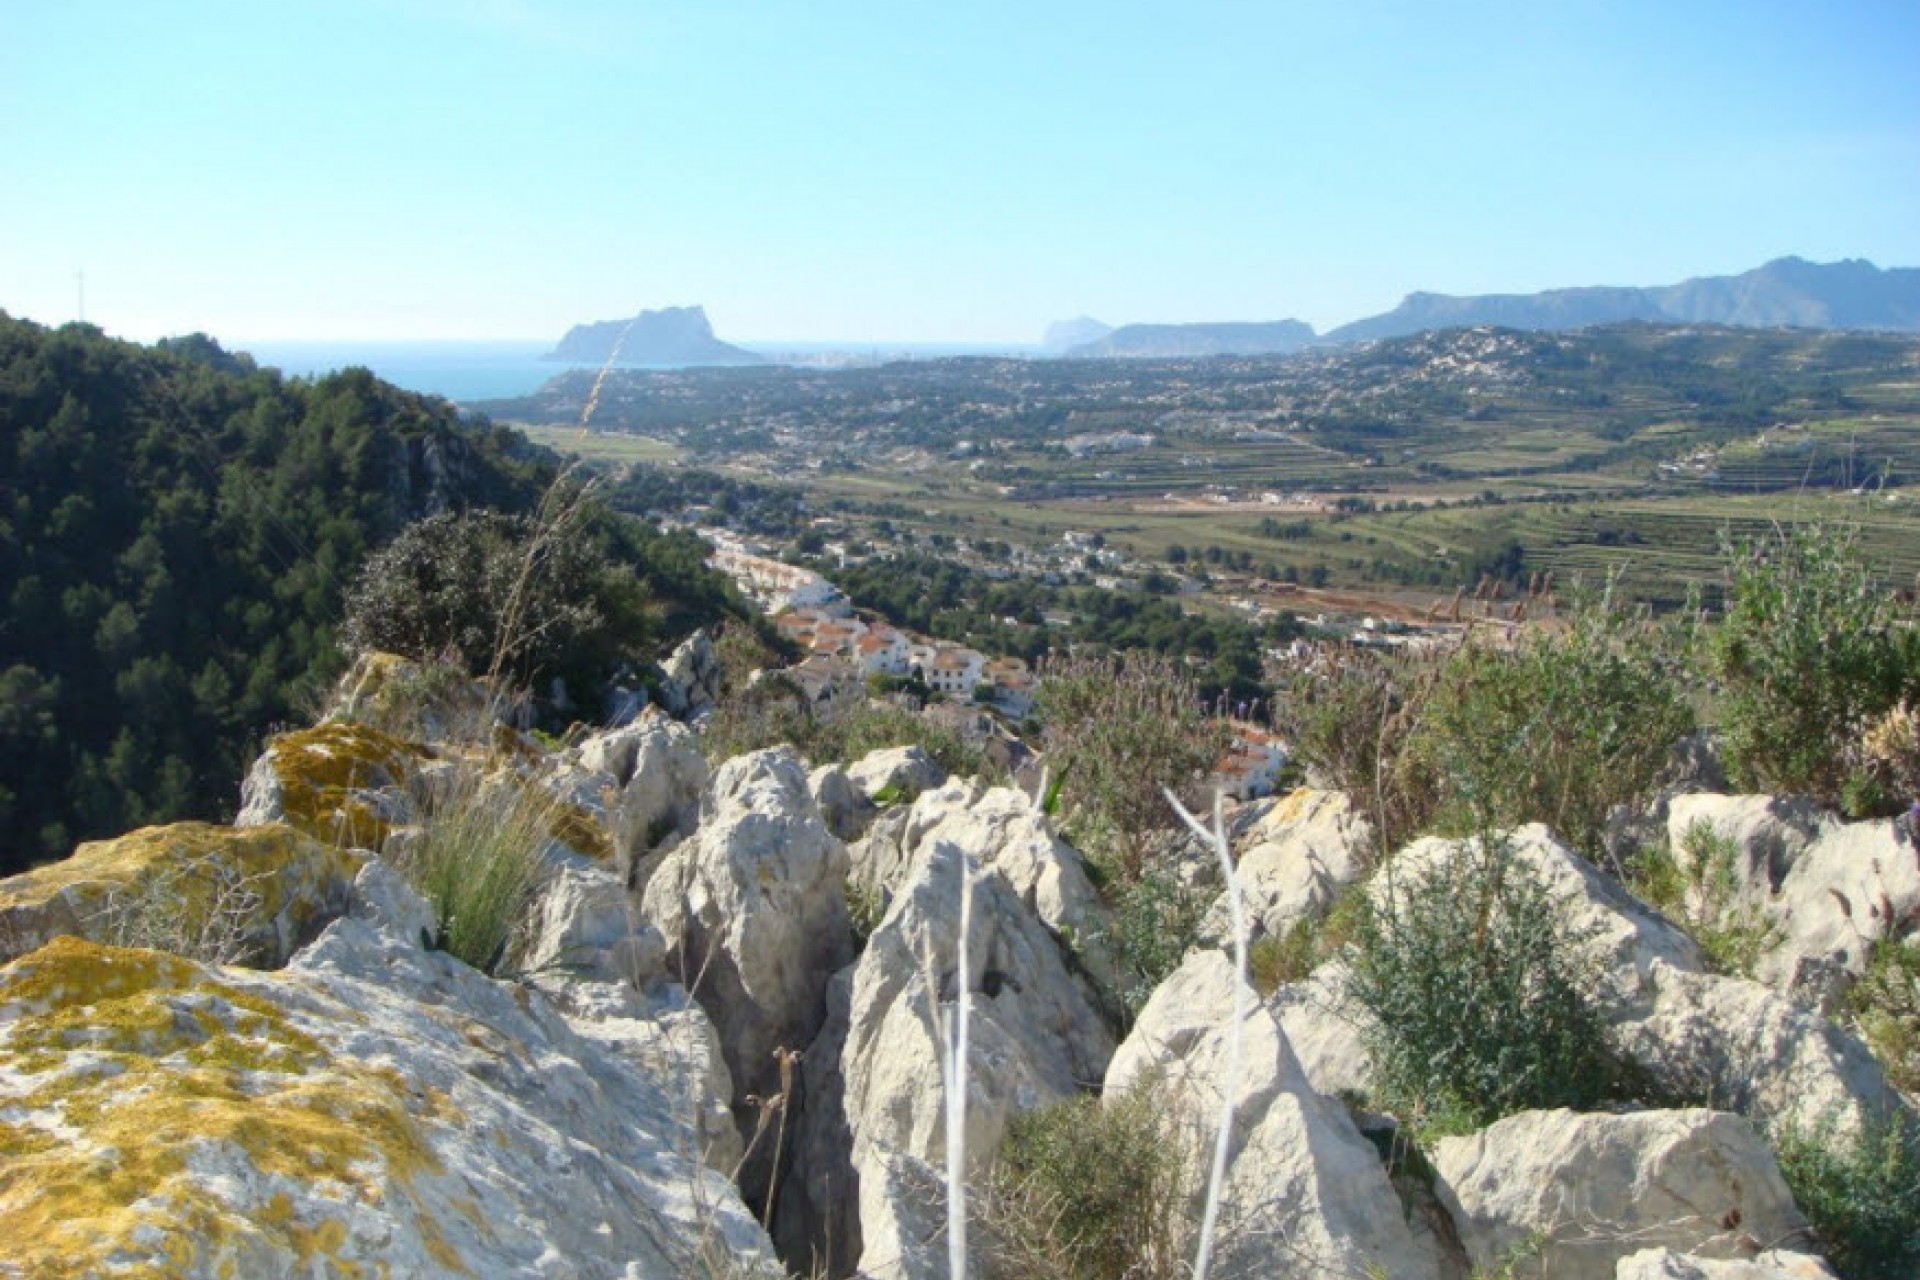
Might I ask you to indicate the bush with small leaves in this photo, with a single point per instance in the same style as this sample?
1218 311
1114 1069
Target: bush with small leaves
1559 728
1118 731
1814 649
506 595
1885 1006
1861 1191
1094 1189
1474 992
1352 719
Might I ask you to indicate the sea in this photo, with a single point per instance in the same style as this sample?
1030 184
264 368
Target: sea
467 372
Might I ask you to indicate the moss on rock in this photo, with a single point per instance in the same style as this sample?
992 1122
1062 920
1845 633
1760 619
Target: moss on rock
134 1075
271 884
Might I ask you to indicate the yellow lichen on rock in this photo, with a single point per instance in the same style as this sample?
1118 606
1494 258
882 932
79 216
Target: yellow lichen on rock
322 771
132 1073
258 888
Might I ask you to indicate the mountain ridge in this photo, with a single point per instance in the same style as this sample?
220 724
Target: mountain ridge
1788 292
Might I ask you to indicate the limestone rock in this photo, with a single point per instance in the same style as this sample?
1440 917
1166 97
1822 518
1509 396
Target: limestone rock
346 784
420 702
895 775
903 1211
1749 1050
1665 1264
644 783
382 897
1766 833
1294 861
846 811
1857 884
1594 1188
667 1037
371 1109
1036 1038
816 1223
1306 1194
1002 828
754 918
1324 1031
1628 938
584 925
222 893
690 678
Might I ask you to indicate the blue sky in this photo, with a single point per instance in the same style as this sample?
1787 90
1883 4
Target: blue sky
965 171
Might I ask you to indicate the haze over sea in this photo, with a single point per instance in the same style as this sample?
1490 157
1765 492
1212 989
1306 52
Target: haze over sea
495 370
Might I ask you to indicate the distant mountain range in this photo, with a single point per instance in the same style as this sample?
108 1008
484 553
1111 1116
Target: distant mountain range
1076 332
1277 338
671 336
1787 292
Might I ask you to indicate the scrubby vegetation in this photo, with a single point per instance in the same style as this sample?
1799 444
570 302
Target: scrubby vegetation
1094 1189
477 858
1814 651
1121 730
448 586
1860 1190
1476 996
1885 1005
1560 728
846 727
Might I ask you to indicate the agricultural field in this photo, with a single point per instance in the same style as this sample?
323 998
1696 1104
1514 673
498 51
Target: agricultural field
1406 468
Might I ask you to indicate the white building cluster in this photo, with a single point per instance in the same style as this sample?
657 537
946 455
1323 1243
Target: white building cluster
876 649
773 584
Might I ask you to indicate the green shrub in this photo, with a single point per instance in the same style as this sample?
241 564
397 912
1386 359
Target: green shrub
1277 961
1813 649
1861 1192
1475 993
477 859
505 595
1090 1190
1352 720
775 711
1118 730
1560 728
1156 919
1733 935
1885 1005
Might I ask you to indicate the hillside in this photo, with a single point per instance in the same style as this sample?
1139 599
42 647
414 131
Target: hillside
1787 292
1184 340
671 337
177 533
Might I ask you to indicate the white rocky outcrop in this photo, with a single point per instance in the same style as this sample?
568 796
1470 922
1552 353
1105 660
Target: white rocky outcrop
754 919
1827 890
234 894
1767 834
374 1108
895 774
1748 1049
1000 828
1665 1264
584 925
1568 1195
1294 861
690 678
1036 1038
1325 1031
1306 1194
644 782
